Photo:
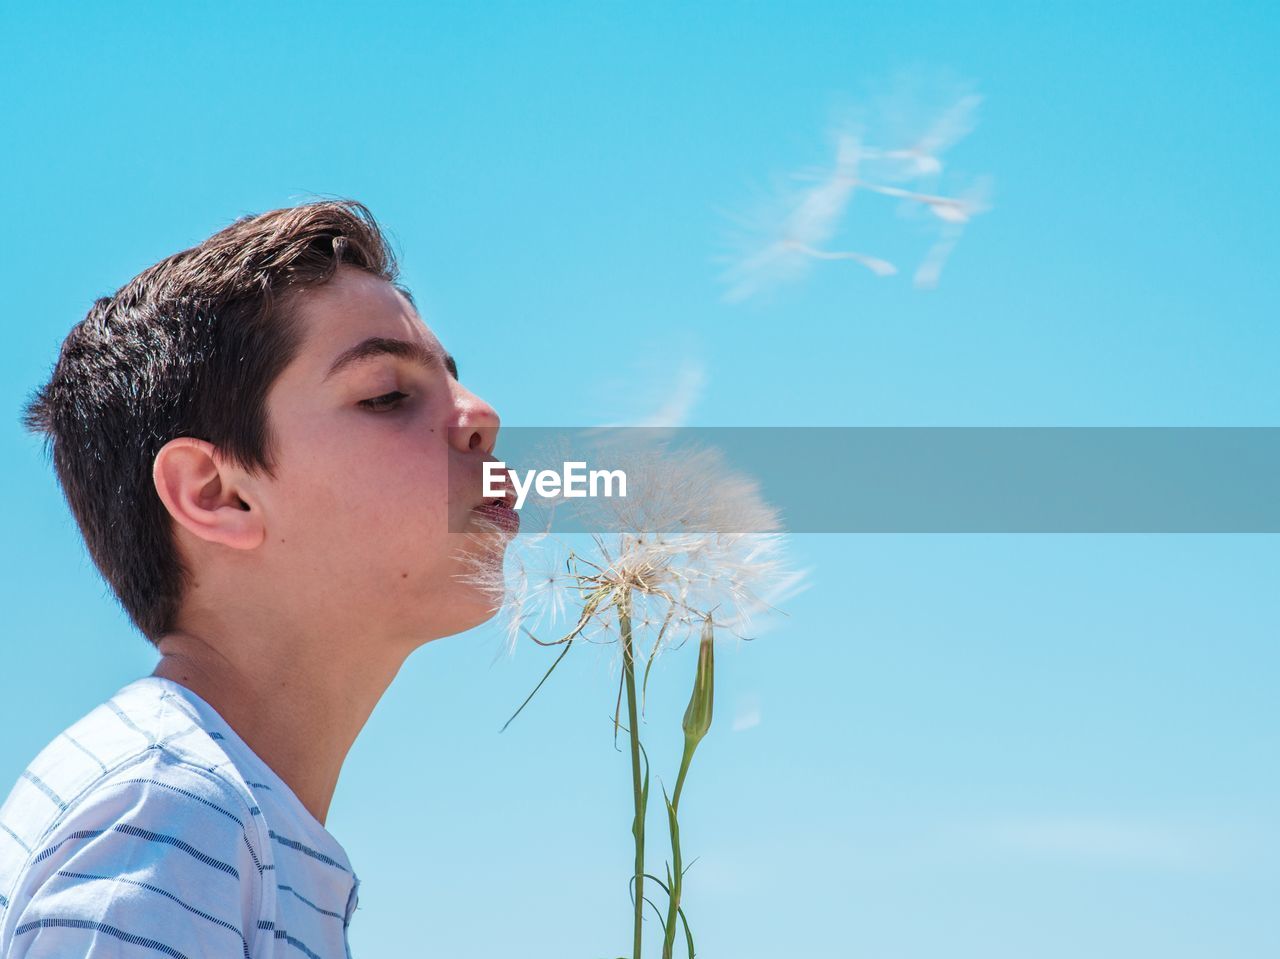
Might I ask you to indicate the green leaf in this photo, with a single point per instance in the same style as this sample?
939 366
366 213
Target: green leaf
661 921
674 825
617 710
644 795
644 790
665 885
562 655
687 934
593 601
653 654
631 892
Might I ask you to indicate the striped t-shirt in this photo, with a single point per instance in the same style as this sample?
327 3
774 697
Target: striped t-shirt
149 828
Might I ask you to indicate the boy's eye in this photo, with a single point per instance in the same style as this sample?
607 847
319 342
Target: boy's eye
387 401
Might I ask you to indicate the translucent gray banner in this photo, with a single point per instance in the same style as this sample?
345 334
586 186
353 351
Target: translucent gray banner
897 479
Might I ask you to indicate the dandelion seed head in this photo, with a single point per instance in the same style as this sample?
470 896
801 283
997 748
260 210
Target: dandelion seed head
693 539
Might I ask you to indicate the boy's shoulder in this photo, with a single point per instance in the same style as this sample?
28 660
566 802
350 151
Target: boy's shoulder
144 730
143 766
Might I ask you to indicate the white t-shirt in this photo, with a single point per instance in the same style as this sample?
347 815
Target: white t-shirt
150 829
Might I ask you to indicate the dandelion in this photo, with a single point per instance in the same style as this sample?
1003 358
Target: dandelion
692 538
693 549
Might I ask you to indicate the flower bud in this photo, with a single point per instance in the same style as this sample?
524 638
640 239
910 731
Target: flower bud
697 716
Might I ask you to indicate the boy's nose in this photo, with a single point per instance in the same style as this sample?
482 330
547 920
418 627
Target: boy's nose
476 427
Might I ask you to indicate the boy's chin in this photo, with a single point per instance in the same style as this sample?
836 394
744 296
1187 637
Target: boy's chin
463 613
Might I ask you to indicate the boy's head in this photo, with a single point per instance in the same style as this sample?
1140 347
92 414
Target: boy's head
210 426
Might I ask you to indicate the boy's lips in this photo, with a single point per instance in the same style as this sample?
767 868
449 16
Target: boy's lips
502 514
500 510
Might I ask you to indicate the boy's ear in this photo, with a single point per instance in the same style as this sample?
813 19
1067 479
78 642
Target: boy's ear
199 490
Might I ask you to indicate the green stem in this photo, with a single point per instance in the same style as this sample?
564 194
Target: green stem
697 720
689 747
677 876
637 828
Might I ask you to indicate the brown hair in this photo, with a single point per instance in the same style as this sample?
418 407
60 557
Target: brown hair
189 347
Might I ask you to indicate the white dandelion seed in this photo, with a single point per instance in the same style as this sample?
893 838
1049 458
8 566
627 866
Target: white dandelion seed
974 201
923 157
790 243
788 246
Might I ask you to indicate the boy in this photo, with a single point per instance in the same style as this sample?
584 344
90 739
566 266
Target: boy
265 449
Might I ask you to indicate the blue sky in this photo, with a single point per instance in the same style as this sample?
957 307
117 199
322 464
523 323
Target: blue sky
970 746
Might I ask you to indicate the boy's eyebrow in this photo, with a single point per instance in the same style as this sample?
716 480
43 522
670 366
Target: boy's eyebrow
384 346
